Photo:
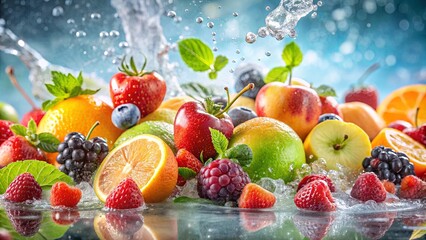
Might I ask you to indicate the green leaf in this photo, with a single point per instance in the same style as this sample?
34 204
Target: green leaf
48 142
44 173
54 90
220 142
89 92
325 91
18 129
242 153
193 200
213 75
186 173
46 105
292 55
199 90
220 62
277 74
32 127
196 54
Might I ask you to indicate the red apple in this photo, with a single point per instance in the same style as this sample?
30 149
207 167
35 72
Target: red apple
400 125
297 106
418 134
329 104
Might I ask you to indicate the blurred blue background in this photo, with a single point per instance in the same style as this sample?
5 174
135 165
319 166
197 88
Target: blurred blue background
339 44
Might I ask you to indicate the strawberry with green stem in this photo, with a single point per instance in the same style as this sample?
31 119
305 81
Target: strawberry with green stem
364 93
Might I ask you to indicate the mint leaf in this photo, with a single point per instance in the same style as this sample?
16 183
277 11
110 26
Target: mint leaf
220 62
44 173
199 90
213 75
46 105
292 55
325 91
242 153
196 54
32 127
186 173
18 129
277 74
220 142
193 200
48 142
89 92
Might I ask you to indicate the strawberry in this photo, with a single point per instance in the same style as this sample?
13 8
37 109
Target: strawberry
254 196
17 148
63 195
65 216
186 159
255 221
389 186
368 187
362 93
128 223
313 177
25 222
144 89
313 228
315 196
377 228
5 131
125 196
412 187
24 187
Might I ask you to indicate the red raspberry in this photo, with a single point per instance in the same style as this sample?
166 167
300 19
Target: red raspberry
368 187
254 196
5 131
125 196
389 186
221 181
63 195
315 196
24 187
412 187
186 159
314 177
25 222
65 216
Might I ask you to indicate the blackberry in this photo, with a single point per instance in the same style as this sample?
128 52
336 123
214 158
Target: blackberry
388 164
79 157
221 181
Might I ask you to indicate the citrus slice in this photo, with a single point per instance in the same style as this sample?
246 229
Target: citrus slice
148 160
402 103
401 142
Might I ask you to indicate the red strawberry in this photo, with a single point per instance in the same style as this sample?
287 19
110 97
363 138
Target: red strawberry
63 195
368 187
313 177
389 186
254 196
186 159
412 187
25 222
367 95
65 216
17 148
255 221
313 228
24 187
5 131
144 89
315 196
128 223
125 196
377 228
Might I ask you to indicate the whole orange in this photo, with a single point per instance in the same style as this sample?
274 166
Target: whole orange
78 114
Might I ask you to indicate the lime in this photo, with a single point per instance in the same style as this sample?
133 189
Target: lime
7 112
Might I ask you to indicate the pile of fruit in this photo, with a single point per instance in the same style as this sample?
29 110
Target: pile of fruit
144 149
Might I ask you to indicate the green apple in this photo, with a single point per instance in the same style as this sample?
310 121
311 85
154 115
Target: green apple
7 112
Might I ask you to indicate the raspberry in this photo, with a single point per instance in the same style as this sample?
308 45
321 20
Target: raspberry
315 196
24 187
63 195
26 222
314 177
389 186
412 187
186 159
368 187
125 196
221 181
5 131
79 157
254 196
127 224
65 216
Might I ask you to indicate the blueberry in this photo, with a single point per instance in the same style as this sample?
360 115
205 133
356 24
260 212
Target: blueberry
249 73
366 162
375 152
220 100
240 115
125 116
329 116
396 165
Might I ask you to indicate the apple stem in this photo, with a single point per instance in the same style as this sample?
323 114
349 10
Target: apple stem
14 81
291 76
367 73
338 146
229 104
91 129
416 117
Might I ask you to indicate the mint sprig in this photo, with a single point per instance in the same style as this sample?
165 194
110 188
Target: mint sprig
324 91
45 141
199 57
292 56
186 173
64 87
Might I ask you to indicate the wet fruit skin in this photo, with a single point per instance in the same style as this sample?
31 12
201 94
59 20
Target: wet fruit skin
191 129
368 187
313 177
17 148
329 104
315 196
186 159
63 195
254 196
126 195
5 131
125 116
23 188
400 125
297 106
412 187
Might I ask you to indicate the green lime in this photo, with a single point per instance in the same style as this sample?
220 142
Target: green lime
160 129
161 114
7 112
277 149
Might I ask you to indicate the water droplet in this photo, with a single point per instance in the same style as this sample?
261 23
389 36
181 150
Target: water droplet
279 36
186 28
80 34
84 52
95 16
319 3
213 34
70 21
237 51
314 7
199 20
262 32
109 52
242 59
233 61
314 15
268 53
68 2
215 49
267 8
103 34
72 31
368 25
2 22
250 37
116 61
178 19
57 11
231 70
116 15
114 33
235 14
39 20
186 10
210 24
123 44
292 33
171 14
